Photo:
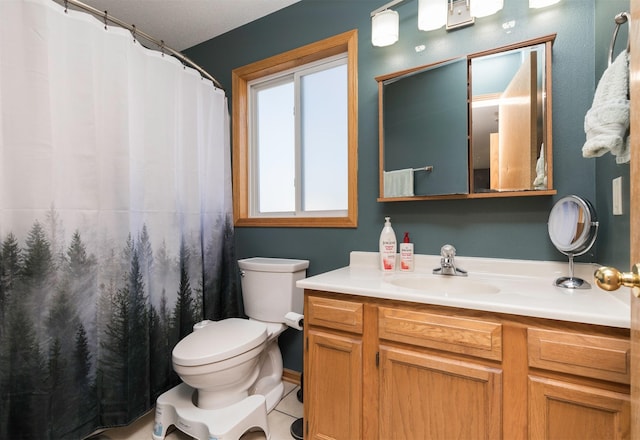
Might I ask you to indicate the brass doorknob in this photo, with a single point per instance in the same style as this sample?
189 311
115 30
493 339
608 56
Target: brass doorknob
610 278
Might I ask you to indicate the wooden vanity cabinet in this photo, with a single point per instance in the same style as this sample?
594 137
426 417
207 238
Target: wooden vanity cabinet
427 394
333 368
383 369
578 386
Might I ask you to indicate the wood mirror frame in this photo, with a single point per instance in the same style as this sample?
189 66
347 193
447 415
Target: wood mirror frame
506 184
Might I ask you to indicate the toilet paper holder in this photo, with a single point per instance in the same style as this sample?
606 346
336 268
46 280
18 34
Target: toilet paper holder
294 320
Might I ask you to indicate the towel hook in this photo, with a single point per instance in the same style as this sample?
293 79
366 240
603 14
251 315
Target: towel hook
621 18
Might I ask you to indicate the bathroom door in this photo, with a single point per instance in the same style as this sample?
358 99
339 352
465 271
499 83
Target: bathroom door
634 239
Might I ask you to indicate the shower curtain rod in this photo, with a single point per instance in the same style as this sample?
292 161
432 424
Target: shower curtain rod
138 33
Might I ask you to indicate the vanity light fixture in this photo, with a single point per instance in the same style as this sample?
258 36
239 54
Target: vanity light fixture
385 25
483 8
432 15
459 14
542 3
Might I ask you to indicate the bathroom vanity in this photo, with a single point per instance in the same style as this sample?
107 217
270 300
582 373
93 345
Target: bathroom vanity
501 353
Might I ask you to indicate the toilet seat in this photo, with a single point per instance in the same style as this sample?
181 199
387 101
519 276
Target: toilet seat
219 341
274 329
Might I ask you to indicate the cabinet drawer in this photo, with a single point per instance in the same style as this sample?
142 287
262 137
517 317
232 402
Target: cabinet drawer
597 357
334 313
450 333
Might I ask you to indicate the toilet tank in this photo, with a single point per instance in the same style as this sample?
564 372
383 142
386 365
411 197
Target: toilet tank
269 287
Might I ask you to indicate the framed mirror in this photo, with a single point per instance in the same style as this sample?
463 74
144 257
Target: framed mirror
426 131
469 127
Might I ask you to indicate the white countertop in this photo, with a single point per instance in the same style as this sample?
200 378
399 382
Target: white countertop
518 287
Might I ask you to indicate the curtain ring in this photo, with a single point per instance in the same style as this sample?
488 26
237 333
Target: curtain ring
162 47
133 32
105 20
66 6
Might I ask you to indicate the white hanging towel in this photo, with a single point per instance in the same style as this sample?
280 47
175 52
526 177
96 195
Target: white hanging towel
606 124
398 183
540 182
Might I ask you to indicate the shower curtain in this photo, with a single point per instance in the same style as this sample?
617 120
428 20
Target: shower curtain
115 220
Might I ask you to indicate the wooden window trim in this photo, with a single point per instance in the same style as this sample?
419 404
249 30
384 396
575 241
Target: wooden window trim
346 42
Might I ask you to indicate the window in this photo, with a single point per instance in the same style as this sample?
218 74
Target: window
295 137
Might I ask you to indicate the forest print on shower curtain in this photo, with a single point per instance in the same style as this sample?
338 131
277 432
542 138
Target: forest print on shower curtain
116 232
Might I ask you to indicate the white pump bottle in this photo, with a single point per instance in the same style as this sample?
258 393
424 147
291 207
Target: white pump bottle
388 247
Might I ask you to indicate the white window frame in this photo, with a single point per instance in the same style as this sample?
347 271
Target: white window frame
294 75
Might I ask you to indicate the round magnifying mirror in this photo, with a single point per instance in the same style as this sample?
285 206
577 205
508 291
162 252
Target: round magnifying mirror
573 228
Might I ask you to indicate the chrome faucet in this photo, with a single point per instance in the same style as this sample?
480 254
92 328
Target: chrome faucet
447 263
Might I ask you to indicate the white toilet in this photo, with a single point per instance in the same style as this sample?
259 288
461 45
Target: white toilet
235 365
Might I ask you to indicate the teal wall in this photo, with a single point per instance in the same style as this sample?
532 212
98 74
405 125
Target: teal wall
502 228
613 243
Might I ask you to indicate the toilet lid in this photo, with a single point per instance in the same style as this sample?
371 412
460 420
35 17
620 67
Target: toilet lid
219 341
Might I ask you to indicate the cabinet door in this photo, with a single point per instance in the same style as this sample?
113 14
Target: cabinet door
423 396
334 385
562 410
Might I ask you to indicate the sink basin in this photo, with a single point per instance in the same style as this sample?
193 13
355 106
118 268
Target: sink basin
444 284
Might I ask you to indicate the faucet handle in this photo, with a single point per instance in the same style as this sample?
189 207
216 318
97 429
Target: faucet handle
448 251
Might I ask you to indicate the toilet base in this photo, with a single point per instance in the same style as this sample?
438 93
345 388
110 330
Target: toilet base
272 390
175 407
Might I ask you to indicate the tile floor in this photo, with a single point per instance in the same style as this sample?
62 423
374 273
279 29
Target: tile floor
280 419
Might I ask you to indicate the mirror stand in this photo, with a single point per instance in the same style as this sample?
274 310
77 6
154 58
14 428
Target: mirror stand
571 282
573 228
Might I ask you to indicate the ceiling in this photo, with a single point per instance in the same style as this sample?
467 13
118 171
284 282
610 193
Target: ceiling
185 23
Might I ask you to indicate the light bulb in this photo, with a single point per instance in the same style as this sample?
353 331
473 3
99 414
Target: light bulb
483 8
432 14
542 3
384 28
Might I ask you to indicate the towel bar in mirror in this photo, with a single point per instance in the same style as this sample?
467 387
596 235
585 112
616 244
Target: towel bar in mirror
482 120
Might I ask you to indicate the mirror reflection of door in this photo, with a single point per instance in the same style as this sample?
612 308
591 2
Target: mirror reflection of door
515 152
507 120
